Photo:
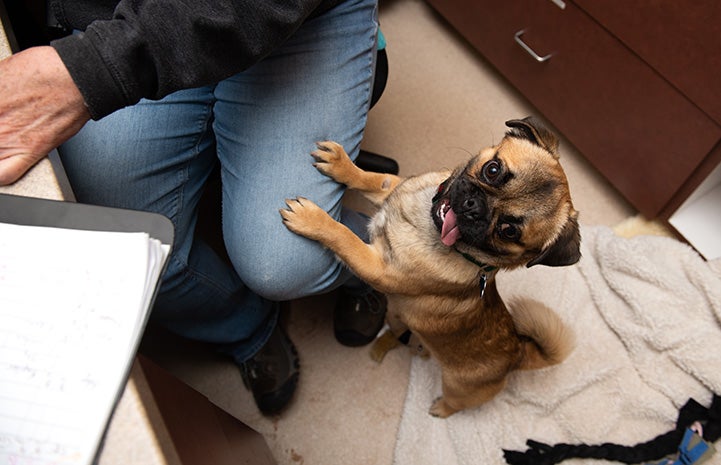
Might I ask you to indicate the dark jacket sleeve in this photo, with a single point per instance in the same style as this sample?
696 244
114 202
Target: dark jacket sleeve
151 48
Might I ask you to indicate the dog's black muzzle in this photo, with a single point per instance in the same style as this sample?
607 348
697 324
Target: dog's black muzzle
471 206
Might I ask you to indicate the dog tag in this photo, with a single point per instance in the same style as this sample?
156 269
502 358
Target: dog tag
482 284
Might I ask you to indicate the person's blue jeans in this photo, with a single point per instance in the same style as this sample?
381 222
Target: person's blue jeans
261 126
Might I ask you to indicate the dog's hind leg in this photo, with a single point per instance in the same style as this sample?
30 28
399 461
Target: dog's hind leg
333 161
455 400
382 345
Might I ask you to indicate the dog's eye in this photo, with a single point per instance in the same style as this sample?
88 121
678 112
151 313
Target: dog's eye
491 170
509 232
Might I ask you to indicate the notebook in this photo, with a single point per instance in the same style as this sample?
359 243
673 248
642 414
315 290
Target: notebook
76 286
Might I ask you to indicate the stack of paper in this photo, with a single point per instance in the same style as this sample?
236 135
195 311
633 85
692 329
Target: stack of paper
73 305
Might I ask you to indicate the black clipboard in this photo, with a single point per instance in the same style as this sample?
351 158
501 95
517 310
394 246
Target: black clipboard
30 211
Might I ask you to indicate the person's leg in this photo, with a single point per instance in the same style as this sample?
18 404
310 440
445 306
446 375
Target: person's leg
268 119
156 156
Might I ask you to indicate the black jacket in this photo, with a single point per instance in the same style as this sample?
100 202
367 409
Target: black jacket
136 49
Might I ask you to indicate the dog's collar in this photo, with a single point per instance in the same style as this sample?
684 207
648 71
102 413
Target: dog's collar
484 267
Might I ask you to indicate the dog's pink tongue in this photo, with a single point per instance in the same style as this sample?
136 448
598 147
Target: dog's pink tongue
449 231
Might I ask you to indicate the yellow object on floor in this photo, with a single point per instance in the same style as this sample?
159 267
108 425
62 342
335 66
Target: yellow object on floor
640 226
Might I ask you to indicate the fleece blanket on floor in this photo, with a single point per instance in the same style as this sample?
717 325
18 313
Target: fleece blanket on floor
646 312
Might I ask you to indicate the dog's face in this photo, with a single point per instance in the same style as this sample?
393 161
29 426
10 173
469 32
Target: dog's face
510 205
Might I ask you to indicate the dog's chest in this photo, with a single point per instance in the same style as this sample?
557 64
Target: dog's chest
405 217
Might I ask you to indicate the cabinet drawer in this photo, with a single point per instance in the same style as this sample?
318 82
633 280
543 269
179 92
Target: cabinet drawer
631 124
680 40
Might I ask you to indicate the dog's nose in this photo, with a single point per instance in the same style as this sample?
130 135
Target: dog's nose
472 209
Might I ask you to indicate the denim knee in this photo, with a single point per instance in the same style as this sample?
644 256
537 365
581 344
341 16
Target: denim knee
286 273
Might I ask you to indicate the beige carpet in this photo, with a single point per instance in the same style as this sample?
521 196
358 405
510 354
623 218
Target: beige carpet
442 103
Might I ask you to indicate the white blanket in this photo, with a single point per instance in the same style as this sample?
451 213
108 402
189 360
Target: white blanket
647 316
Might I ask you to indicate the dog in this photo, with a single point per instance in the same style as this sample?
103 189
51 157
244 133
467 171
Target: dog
437 242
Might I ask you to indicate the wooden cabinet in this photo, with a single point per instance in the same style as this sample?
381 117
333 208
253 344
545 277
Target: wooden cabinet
632 85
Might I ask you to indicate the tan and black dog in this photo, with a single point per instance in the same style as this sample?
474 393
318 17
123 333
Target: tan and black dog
437 241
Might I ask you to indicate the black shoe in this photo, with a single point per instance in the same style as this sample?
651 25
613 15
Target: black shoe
357 319
272 374
369 161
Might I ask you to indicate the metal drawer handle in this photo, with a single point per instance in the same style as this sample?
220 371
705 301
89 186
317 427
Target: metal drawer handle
528 49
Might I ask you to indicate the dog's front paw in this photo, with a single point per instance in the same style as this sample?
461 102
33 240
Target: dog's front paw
304 217
332 160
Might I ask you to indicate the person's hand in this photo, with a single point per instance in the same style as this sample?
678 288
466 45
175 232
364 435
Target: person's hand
40 108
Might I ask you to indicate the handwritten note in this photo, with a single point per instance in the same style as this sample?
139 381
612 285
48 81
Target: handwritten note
72 308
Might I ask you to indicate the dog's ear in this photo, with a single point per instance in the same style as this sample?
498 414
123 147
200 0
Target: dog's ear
566 250
532 129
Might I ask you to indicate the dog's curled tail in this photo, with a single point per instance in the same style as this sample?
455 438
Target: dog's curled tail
551 341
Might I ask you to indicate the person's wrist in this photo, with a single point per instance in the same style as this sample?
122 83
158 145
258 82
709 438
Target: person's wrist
40 108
